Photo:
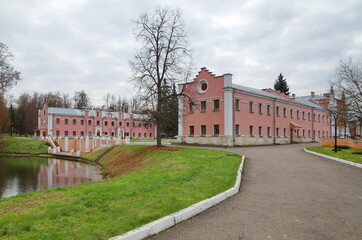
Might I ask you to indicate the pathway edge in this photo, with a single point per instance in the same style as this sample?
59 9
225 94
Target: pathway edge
171 220
334 158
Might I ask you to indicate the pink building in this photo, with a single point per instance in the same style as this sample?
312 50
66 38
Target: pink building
61 122
217 111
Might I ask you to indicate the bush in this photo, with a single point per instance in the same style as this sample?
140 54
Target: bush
343 147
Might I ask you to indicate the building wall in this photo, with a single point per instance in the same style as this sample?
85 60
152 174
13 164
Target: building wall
292 126
98 125
210 117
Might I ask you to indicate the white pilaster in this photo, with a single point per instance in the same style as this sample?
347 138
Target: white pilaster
228 105
50 125
180 115
66 144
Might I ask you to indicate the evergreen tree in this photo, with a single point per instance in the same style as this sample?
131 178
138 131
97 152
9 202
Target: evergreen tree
281 84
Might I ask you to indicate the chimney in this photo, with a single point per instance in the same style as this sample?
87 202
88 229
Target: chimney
312 94
293 95
86 113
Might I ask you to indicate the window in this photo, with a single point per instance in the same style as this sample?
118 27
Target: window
150 135
291 113
251 107
268 109
303 133
319 133
66 121
120 124
139 124
74 133
134 124
309 133
319 118
277 111
58 133
98 122
127 124
237 104
82 122
106 123
269 132
97 113
309 116
203 130
191 107
74 121
323 118
191 130
251 130
112 123
303 114
237 129
139 134
89 134
216 104
285 132
89 122
203 106
82 133
145 135
58 120
314 117
297 114
133 134
260 108
297 132
284 112
216 130
150 124
260 131
277 132
66 133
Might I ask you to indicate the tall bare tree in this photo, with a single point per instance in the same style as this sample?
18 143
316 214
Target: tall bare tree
81 100
164 58
348 83
8 76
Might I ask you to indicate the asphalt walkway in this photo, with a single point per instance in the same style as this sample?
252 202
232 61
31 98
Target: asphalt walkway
285 194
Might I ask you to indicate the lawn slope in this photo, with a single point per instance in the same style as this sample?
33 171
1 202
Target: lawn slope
160 182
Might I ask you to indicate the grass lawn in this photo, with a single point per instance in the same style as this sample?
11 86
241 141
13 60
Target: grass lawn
19 145
158 183
345 154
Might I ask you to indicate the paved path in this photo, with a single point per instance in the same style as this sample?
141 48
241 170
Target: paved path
285 194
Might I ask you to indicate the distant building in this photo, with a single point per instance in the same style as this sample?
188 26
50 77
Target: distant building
61 122
217 111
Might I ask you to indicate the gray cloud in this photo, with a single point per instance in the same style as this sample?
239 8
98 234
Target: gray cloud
67 46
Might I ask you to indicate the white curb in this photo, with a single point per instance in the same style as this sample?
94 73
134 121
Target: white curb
335 159
166 222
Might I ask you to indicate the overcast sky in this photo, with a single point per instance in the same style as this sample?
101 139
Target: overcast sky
70 45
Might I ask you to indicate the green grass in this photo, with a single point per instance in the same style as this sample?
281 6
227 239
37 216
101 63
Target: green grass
17 145
144 140
167 182
93 155
345 154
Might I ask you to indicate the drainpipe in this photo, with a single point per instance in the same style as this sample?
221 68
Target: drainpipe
313 135
274 120
233 113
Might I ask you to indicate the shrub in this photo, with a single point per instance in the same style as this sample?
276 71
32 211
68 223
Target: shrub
343 147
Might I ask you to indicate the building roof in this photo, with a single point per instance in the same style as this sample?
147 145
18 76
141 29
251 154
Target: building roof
66 111
313 97
298 101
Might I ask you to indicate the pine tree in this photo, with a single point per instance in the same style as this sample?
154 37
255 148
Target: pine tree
281 84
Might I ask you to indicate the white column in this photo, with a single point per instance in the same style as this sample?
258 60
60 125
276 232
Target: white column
87 144
66 144
228 105
180 116
50 125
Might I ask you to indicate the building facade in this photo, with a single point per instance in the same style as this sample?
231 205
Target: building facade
61 122
214 110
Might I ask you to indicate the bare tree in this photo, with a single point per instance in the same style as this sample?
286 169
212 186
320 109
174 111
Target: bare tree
348 83
81 100
163 59
8 76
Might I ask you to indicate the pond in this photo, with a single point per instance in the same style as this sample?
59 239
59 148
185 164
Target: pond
28 174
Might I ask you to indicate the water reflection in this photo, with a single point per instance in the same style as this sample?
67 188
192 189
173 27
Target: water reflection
21 175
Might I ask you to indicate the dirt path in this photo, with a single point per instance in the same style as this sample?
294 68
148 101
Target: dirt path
285 194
